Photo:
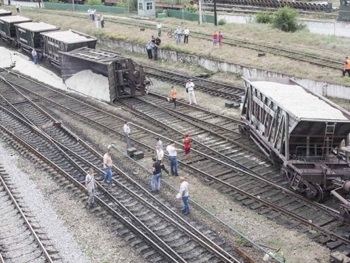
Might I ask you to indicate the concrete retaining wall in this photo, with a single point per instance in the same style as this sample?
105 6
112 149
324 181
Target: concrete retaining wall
320 87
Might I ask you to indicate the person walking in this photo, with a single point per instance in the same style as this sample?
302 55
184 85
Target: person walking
172 151
96 21
346 67
156 175
160 157
190 91
184 193
18 8
90 185
102 20
178 35
93 11
186 35
127 134
173 96
107 166
220 39
155 51
89 12
215 38
35 56
187 147
149 48
159 143
159 29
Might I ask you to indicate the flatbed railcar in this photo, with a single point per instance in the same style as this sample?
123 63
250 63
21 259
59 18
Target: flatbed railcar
305 133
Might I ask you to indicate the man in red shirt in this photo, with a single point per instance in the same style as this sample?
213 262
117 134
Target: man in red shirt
187 146
215 38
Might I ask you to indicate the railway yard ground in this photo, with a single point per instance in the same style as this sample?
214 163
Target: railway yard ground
81 234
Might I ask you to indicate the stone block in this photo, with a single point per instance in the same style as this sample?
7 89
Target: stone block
338 257
231 104
130 151
138 155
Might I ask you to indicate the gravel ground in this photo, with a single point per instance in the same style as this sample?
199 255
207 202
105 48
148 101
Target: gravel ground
78 235
295 246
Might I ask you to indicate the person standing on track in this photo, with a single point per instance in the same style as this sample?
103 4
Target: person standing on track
90 185
107 166
156 175
159 143
160 157
184 195
127 131
173 96
187 147
190 91
172 151
346 67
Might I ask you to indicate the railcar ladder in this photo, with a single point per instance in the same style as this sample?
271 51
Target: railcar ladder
328 138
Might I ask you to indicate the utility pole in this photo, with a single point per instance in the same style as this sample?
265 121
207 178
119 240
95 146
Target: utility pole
215 16
200 12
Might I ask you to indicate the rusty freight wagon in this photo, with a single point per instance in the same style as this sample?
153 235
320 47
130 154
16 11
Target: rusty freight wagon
7 27
64 41
304 132
29 37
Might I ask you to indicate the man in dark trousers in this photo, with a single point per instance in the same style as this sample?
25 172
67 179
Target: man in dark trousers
156 175
149 48
155 51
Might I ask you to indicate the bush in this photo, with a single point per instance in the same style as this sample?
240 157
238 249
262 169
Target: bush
263 18
222 22
93 2
285 19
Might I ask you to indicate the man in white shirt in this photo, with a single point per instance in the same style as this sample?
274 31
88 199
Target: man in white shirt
159 143
190 91
90 185
160 157
172 151
184 195
186 34
107 166
127 134
178 32
159 29
35 56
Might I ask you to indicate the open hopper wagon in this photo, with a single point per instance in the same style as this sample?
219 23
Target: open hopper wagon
125 77
7 27
65 41
304 132
5 12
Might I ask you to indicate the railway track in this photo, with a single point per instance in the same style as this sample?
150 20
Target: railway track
21 239
308 57
168 233
233 177
217 89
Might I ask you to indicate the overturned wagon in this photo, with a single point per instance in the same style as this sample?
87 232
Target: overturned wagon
303 131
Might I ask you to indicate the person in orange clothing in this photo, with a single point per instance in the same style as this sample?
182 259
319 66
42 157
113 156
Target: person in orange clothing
346 67
173 95
187 146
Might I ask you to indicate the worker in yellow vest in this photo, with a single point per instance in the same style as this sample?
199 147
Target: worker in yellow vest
346 67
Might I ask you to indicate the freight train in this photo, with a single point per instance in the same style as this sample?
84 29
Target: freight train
126 78
305 133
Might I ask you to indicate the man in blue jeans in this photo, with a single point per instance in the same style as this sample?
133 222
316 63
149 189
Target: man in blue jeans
184 195
178 32
107 166
172 151
157 174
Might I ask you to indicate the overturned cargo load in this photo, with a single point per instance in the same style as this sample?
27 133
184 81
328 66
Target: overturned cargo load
304 132
102 74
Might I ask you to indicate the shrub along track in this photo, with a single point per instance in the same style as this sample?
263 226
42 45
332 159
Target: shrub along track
266 48
244 182
153 226
21 238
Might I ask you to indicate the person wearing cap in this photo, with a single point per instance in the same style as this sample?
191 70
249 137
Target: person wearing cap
172 151
187 147
173 95
190 91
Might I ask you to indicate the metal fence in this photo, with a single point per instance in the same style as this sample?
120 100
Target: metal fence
189 16
99 8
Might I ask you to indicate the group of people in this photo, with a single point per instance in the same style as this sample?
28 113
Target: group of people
152 47
98 19
217 38
178 33
189 89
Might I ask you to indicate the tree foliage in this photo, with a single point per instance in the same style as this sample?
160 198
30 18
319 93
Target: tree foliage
263 18
222 22
94 2
286 19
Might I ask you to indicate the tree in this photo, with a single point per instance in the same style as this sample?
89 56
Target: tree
286 19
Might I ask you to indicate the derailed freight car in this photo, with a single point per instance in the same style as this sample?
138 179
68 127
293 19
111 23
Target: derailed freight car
4 12
304 132
7 27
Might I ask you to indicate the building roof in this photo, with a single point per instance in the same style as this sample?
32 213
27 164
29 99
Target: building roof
14 19
37 27
297 101
68 36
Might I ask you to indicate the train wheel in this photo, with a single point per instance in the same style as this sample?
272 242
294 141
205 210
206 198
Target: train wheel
314 192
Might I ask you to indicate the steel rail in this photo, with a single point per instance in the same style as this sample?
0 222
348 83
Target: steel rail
82 188
29 226
204 240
